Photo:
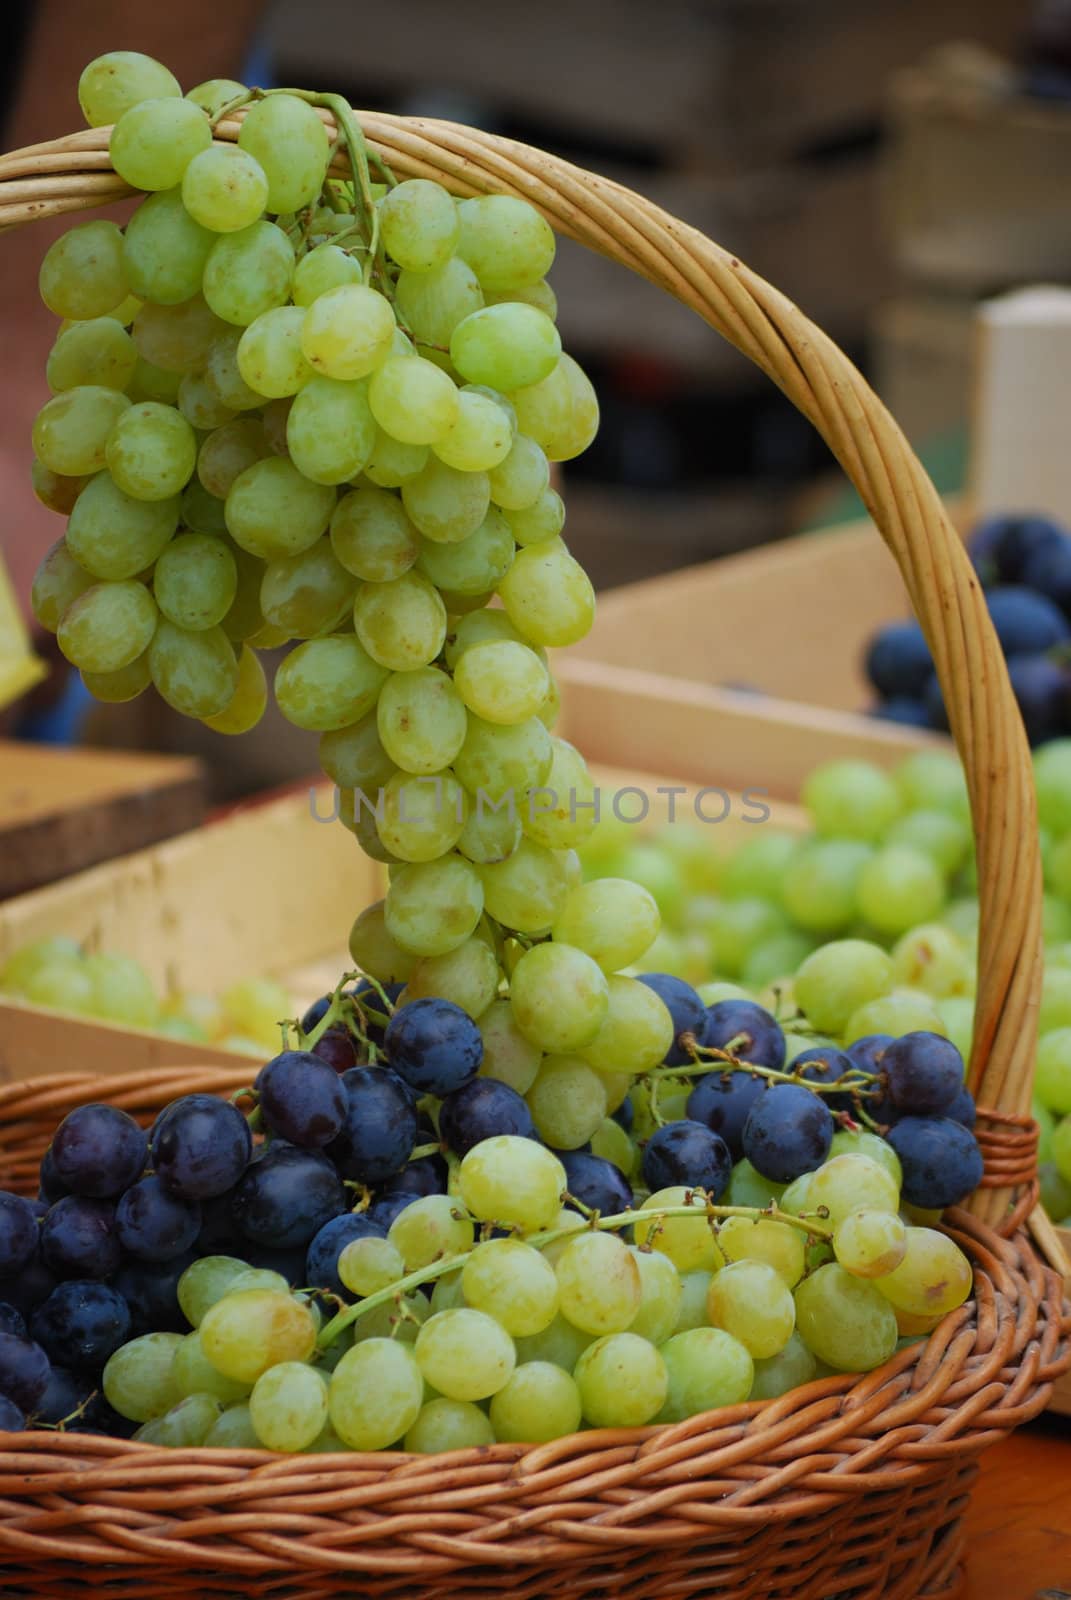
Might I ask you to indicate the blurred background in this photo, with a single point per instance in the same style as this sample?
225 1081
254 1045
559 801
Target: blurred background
887 166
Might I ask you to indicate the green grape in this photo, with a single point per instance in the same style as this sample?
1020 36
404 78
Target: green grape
233 1430
392 462
820 885
227 451
1060 1149
547 595
431 304
511 1282
153 383
413 401
931 958
376 1393
749 1188
187 1423
522 477
327 683
421 720
474 566
82 274
204 1282
661 1293
561 813
372 535
505 241
688 1243
559 997
539 1402
347 332
544 519
137 1379
771 959
275 416
326 267
200 404
154 141
194 671
706 1368
945 838
957 1017
847 1182
193 1373
270 358
757 866
401 623
126 683
419 224
478 627
248 273
751 1300
164 252
306 594
902 1011
899 888
115 536
445 505
637 1030
465 1354
777 1244
507 1054
1052 1075
540 295
524 892
369 1264
599 1283
61 983
177 338
393 1321
432 907
99 353
223 379
514 1182
622 1381
791 1367
216 93
508 346
122 989
561 413
330 430
1055 1008
249 701
39 953
108 626
559 1345
502 682
933 780
869 1243
448 1425
273 511
840 977
151 451
224 188
502 763
201 512
374 949
57 583
112 83
851 800
480 438
567 1101
489 836
354 757
469 976
252 1329
289 141
430 1227
844 1320
53 490
288 1406
421 818
70 431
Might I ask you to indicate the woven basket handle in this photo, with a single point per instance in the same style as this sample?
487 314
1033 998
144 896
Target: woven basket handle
75 172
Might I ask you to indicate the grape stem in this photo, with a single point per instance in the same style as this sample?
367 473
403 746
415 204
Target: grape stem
857 1081
623 1219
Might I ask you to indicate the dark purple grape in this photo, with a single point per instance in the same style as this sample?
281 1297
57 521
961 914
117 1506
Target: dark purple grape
74 1399
428 1175
899 708
941 1161
1048 571
98 1151
200 1146
684 1006
154 1224
338 1048
933 700
78 1238
898 660
218 1235
923 1073
81 1324
963 1109
321 1262
373 1015
285 1198
788 1132
688 1153
315 1014
52 1187
18 1233
624 1114
380 1126
865 1053
1026 623
982 543
150 1289
824 1064
12 1320
434 1045
302 1099
481 1109
389 1206
722 1101
289 1263
29 1287
595 1182
1042 690
12 1420
1016 540
747 1032
23 1371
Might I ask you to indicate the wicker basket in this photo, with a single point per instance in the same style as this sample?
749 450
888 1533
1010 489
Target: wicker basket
760 1502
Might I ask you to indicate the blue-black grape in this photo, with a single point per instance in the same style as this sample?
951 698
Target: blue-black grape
941 1160
338 1047
18 1232
150 1289
218 1235
898 660
428 1175
315 1014
434 1045
52 1186
684 1006
154 1224
933 700
285 1198
79 1239
722 1101
823 1064
788 1132
23 1371
29 1287
595 1182
200 1146
1049 572
321 1262
301 1099
12 1420
1042 690
98 1151
1026 623
373 1014
923 1073
1015 541
80 1324
12 1320
625 1114
963 1109
690 1153
289 1263
899 708
383 1210
481 1109
866 1052
74 1399
380 1126
746 1031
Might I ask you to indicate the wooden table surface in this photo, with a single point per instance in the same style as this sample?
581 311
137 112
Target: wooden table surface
1019 1523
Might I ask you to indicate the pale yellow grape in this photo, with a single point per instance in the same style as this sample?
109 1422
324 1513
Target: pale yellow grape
480 438
489 835
126 683
599 1284
98 352
613 920
327 683
195 672
473 566
330 430
507 1054
115 536
796 1197
307 594
233 1430
421 720
375 951
508 346
933 959
372 535
199 403
706 1368
901 1011
227 451
288 1406
844 1320
122 989
390 1320
433 1226
688 1242
108 626
71 430
82 274
164 252
540 295
369 1264
431 304
392 461
622 1381
511 1282
419 224
660 1287
505 241
187 1424
376 1393
865 1143
448 1425
58 581
540 1402
249 274
270 358
272 510
934 1276
137 1378
244 620
695 1291
791 1367
505 762
154 142
469 976
465 1354
151 451
559 997
53 490
778 1244
326 267
193 1373
547 595
479 627
205 1281
512 1181
413 400
563 811
216 93
275 416
112 83
502 682
355 758
870 1244
567 1102
543 519
421 818
750 1300
249 701
838 978
847 1183
561 413
347 331
526 890
223 377
433 907
522 477
289 141
612 1143
224 188
635 1033
249 1331
177 338
446 505
401 623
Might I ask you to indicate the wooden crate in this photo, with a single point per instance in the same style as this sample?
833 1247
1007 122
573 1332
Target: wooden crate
922 355
63 810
